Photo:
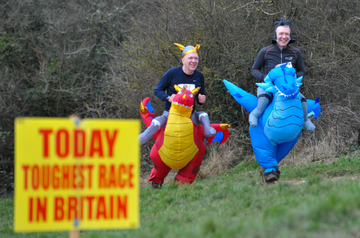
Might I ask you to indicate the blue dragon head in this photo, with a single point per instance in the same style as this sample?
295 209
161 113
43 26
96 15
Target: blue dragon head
282 80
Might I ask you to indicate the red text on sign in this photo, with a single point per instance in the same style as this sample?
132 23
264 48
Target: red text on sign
57 176
116 176
74 143
96 207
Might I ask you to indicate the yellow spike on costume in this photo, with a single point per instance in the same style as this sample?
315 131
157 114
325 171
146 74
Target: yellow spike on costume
177 88
143 108
181 47
197 47
196 90
225 126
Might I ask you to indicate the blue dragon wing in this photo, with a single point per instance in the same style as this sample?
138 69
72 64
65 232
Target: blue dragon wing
314 107
245 99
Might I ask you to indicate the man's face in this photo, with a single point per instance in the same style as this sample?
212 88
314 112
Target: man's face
190 61
282 36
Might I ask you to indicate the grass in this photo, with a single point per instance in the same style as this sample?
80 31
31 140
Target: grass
308 201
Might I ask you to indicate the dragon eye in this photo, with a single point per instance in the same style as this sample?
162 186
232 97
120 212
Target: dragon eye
191 95
181 92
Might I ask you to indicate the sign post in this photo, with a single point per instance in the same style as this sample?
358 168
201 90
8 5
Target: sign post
76 175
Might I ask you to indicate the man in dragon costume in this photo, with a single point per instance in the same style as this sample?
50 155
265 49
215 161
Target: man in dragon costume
279 125
185 76
268 58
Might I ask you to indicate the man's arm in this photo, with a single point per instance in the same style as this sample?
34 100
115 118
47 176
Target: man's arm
163 85
300 68
200 97
258 64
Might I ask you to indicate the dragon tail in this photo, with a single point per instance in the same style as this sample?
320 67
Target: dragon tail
245 99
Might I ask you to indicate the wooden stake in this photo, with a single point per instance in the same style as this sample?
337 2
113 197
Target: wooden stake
74 234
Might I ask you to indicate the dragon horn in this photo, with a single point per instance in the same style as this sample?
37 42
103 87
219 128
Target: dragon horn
264 85
271 89
181 47
177 88
196 90
197 47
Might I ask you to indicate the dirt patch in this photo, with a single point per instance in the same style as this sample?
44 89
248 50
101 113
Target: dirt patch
352 177
168 180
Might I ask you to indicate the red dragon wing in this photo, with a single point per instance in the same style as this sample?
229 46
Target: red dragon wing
147 114
222 133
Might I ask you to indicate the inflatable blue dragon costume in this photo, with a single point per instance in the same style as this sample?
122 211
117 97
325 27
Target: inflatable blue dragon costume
280 125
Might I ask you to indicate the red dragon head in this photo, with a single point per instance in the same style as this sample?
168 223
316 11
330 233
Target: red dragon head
184 100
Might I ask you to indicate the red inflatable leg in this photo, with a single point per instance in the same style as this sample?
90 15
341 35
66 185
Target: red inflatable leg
159 172
190 171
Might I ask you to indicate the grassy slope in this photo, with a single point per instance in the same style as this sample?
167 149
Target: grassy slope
236 204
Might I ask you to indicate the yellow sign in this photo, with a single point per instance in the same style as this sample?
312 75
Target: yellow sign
76 175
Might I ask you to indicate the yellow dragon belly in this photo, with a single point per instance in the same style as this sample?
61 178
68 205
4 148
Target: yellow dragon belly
178 148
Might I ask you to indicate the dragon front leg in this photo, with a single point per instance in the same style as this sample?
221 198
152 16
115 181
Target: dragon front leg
264 150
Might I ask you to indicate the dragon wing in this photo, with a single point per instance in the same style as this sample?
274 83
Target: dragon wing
222 133
314 107
147 114
147 111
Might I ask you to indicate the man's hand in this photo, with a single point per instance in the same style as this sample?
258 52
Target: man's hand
171 98
202 98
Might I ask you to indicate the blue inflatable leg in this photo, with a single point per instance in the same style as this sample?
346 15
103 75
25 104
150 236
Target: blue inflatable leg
284 148
264 151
